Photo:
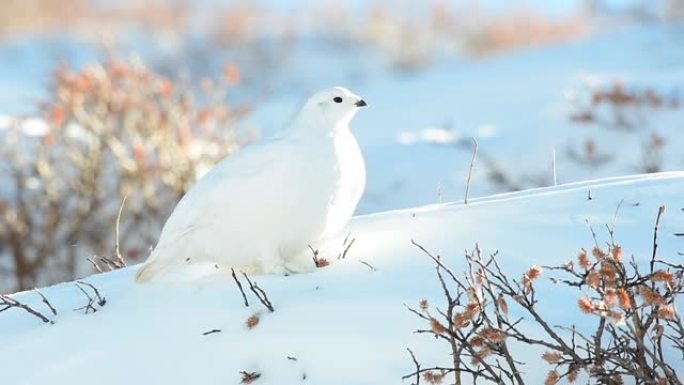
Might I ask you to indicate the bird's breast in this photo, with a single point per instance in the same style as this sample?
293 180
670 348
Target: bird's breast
350 181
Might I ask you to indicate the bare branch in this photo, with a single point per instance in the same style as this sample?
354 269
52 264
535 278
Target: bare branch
259 293
9 302
369 265
470 171
117 247
415 362
346 249
97 299
239 285
46 302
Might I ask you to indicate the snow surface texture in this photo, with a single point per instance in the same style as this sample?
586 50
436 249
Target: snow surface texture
259 209
343 324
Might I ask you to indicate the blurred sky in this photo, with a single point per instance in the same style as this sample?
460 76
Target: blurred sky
26 60
549 7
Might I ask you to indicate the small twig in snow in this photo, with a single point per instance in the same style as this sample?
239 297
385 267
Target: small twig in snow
97 299
101 300
212 331
253 320
259 292
249 377
369 265
9 302
239 285
346 249
553 167
117 247
470 171
45 301
95 265
111 264
318 262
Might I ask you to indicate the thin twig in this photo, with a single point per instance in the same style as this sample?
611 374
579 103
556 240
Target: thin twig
553 167
470 171
260 293
239 285
369 265
661 211
46 302
9 302
117 247
346 249
319 262
89 305
593 233
95 265
97 299
111 264
415 362
101 300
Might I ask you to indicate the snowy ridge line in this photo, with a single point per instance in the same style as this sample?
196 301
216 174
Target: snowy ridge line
535 192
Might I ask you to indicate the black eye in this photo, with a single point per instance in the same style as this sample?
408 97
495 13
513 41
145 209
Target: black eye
337 99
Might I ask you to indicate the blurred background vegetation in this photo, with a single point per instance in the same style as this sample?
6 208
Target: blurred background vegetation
109 100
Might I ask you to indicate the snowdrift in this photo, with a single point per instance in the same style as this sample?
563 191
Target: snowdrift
342 324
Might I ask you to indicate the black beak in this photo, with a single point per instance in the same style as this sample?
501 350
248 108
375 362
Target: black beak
361 103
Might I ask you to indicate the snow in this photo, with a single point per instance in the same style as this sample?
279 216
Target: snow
28 126
434 135
34 127
344 324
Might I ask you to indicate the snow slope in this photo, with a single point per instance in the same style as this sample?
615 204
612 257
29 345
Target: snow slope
343 324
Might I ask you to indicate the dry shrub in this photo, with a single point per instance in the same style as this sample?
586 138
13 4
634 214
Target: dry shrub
40 17
249 377
410 39
521 29
20 17
115 130
635 334
618 106
252 321
413 40
625 109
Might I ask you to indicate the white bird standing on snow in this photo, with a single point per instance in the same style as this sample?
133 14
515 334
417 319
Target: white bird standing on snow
259 209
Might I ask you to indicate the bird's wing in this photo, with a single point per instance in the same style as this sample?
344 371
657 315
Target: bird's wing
248 170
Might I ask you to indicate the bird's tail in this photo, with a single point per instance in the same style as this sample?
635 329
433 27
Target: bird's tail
148 271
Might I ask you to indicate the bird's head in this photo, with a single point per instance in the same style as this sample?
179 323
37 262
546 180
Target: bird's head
330 108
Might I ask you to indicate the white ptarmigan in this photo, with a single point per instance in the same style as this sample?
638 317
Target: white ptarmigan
259 209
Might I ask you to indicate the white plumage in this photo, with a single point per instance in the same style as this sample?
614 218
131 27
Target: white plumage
260 208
